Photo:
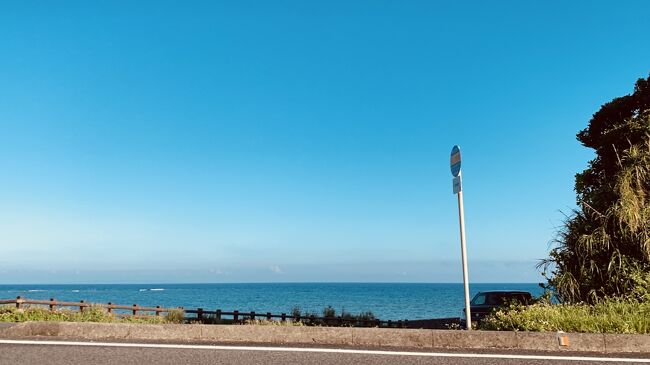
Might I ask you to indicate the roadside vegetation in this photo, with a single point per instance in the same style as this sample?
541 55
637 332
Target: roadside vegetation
265 322
604 316
598 268
90 314
603 249
98 313
327 317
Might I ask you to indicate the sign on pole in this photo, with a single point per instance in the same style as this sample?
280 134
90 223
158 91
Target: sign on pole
454 162
458 184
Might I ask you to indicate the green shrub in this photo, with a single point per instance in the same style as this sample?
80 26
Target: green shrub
175 316
347 315
329 312
604 316
296 312
366 316
94 313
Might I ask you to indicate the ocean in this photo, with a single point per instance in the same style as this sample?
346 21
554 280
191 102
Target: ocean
388 301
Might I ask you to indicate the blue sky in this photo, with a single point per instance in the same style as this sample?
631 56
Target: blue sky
236 141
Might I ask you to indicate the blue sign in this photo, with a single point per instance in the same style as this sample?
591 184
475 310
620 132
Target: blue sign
458 185
455 161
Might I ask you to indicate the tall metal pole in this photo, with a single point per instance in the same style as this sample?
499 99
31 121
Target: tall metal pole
463 250
455 164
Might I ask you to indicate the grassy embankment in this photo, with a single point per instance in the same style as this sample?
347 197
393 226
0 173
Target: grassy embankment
100 314
90 314
605 316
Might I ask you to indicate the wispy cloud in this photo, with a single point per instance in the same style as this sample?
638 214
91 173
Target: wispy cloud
276 269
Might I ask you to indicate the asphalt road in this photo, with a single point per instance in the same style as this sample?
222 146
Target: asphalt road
47 353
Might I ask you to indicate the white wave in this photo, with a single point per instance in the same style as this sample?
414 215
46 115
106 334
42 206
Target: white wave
75 291
157 289
35 290
143 289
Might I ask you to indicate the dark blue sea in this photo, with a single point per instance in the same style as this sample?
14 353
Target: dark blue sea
385 300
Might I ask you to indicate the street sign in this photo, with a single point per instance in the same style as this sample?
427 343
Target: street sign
458 184
454 161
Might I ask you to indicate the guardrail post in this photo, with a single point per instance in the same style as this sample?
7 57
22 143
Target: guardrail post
406 323
268 316
218 314
157 310
135 309
81 306
19 302
52 304
109 308
252 316
399 323
235 316
283 317
296 318
390 323
199 313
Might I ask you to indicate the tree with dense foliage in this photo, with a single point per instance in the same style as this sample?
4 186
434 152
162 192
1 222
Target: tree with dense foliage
603 249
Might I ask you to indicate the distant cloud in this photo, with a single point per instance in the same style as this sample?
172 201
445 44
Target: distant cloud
276 269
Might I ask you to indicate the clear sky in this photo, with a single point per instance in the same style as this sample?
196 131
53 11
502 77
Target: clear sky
238 141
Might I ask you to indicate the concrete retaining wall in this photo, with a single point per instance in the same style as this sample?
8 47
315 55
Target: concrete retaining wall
380 337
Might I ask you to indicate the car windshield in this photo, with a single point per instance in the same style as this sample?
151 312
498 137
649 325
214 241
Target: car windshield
479 299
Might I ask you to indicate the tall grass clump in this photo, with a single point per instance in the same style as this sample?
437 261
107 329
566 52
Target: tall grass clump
175 316
330 318
329 312
602 316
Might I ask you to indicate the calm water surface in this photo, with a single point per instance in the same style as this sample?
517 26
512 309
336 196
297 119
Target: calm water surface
386 301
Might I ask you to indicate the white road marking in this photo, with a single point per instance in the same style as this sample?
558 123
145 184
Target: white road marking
324 350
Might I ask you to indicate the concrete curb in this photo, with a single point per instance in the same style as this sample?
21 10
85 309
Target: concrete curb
379 337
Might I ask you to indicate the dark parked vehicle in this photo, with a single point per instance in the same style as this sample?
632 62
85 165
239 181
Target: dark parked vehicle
484 303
